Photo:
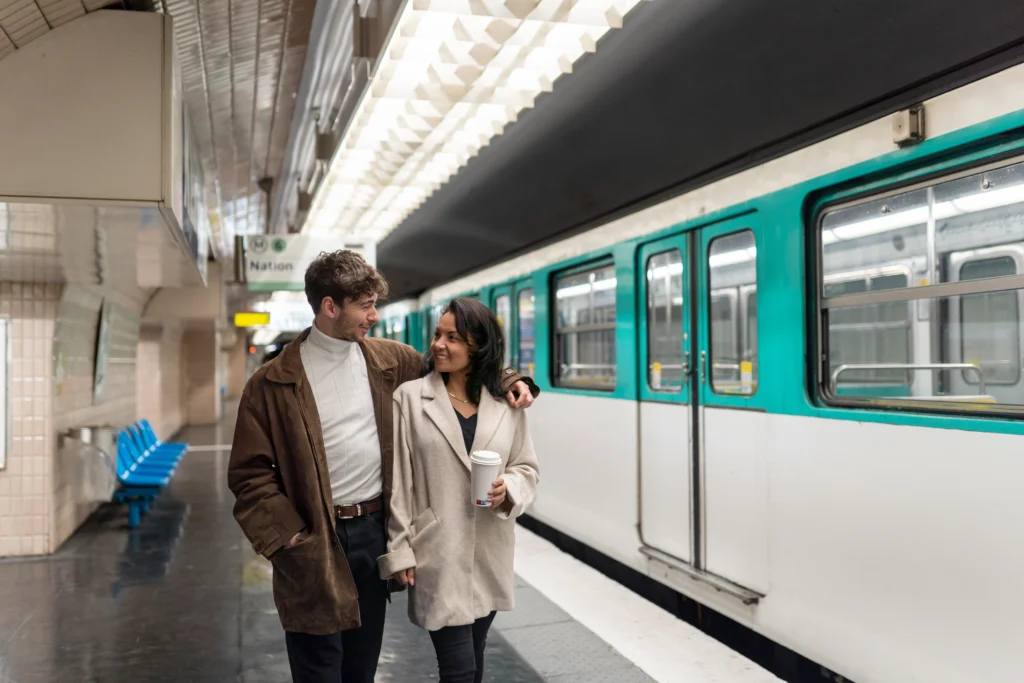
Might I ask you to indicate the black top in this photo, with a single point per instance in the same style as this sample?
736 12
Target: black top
468 425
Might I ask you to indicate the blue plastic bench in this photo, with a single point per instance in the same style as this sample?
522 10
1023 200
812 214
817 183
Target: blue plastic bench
148 437
148 455
144 467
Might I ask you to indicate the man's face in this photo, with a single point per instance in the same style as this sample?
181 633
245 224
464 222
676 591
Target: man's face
352 321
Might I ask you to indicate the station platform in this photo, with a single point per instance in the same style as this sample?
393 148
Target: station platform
184 598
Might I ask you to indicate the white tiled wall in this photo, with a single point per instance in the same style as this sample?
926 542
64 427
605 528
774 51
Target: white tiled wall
75 404
48 487
160 379
26 482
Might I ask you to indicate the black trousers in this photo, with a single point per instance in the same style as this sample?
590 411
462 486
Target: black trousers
349 656
460 651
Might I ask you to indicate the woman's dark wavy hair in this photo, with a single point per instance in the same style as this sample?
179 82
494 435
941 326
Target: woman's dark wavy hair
479 327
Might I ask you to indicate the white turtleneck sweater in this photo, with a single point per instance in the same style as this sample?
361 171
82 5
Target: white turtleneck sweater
336 371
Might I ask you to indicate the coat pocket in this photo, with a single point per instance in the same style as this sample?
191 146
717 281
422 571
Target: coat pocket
307 544
424 522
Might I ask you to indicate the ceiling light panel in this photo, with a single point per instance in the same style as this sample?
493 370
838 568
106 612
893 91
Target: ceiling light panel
453 75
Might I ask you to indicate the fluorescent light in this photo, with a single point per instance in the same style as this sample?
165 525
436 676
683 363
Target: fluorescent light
586 288
725 258
660 272
732 258
973 203
453 75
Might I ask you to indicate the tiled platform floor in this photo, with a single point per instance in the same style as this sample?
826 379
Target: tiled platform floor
183 598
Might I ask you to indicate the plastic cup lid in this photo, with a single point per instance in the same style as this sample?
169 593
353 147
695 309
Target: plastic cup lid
485 458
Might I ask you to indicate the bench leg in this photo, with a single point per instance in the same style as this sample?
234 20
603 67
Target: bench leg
134 514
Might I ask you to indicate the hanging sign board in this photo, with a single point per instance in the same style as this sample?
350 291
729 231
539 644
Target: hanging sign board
102 353
252 319
279 262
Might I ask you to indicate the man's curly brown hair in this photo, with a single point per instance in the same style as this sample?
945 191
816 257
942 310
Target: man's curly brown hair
342 275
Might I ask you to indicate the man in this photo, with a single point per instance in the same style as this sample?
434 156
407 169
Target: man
311 471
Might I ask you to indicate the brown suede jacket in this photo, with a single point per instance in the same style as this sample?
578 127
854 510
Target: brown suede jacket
278 474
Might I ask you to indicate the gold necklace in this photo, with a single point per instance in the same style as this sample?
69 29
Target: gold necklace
459 399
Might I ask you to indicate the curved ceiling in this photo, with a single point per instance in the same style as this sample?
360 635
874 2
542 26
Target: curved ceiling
685 92
241 64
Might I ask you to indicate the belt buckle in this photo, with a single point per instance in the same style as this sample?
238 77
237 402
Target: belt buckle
358 511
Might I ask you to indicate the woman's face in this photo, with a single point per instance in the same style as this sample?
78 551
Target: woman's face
450 350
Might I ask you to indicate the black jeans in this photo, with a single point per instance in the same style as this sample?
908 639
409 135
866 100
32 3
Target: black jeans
349 656
460 651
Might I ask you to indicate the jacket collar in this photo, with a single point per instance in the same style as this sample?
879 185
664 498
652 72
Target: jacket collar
287 367
436 405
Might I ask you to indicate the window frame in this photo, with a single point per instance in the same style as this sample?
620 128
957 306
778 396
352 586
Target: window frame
820 369
1014 252
661 249
557 331
868 275
507 328
738 317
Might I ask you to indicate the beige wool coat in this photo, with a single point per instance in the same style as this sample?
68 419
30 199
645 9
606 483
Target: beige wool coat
462 553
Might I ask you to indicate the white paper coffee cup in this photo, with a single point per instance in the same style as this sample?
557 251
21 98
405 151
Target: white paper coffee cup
486 467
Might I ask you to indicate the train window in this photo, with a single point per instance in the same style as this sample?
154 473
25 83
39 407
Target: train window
990 323
503 311
585 329
920 293
436 312
395 329
524 314
666 367
732 267
872 335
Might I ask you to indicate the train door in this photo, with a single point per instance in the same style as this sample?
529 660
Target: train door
513 306
732 470
704 483
985 330
666 417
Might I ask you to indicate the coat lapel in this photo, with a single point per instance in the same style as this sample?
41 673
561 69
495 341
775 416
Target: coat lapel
490 413
439 409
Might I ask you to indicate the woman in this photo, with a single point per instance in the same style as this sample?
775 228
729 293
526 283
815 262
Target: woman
455 556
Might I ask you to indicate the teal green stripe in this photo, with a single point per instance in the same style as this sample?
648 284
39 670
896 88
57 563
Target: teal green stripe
784 290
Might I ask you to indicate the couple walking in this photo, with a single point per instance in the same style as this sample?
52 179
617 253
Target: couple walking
350 468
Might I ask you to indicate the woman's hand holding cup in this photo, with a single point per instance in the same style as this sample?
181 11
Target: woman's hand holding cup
496 496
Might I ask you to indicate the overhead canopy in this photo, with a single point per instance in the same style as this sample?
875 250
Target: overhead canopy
452 76
685 92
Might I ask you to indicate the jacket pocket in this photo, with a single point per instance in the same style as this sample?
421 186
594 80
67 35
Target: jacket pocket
422 527
308 544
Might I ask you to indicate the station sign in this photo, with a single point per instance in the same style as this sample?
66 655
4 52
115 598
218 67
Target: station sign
279 262
251 319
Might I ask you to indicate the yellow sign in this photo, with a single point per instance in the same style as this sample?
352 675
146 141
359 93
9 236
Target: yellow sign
251 319
746 377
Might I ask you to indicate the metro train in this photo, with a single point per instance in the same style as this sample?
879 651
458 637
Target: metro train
794 394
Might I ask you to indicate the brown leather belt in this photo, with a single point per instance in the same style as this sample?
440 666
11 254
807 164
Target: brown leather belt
359 509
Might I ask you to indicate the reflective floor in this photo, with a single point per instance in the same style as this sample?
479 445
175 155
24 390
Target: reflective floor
181 598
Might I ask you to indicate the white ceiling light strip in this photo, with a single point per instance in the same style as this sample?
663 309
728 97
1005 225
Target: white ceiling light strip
453 75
